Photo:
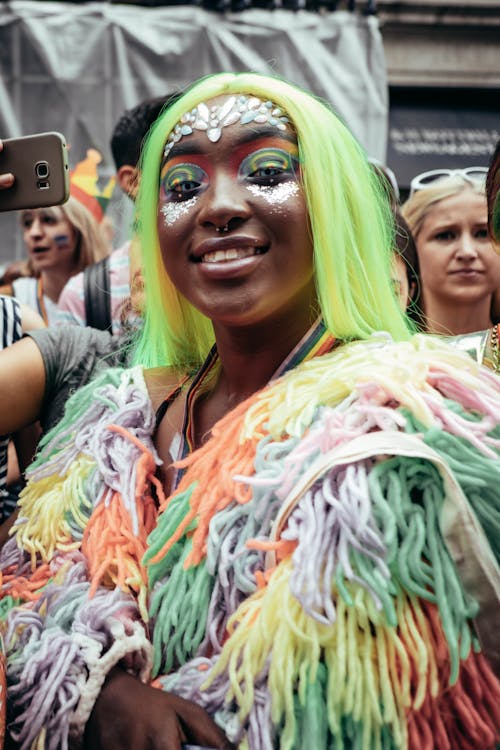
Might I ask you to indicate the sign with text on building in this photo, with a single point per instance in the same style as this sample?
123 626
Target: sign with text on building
427 135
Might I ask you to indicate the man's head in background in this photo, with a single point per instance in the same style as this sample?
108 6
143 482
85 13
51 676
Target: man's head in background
128 137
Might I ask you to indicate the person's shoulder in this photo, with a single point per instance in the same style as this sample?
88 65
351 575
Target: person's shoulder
23 283
120 255
9 303
71 336
30 319
74 284
119 267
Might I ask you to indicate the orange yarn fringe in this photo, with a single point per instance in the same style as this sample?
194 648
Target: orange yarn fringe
109 543
465 716
217 462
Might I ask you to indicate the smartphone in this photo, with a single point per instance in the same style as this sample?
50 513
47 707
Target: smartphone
39 164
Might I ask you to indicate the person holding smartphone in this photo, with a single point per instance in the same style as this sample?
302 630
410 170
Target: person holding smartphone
61 240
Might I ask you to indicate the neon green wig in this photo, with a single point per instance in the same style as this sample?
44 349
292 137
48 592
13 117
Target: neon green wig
351 224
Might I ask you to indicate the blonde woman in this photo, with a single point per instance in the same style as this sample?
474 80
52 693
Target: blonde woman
61 241
459 269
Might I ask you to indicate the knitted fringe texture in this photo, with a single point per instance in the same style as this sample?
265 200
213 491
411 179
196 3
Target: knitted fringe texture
75 561
305 583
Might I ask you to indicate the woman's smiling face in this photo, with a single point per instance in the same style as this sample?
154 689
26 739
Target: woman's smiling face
233 223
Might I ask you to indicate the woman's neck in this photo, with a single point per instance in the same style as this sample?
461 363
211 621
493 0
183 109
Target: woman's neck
53 282
249 360
456 319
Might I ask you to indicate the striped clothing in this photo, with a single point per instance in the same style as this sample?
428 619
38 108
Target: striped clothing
71 307
11 331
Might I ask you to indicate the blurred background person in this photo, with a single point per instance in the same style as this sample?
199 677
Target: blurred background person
405 271
9 272
97 296
459 269
15 319
61 241
493 197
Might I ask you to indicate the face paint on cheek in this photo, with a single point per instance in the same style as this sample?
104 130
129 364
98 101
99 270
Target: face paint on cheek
61 240
275 195
172 212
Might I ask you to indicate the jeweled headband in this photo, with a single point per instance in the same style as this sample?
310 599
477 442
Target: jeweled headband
212 119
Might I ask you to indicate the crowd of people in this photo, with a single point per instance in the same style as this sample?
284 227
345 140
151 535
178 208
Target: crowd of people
261 509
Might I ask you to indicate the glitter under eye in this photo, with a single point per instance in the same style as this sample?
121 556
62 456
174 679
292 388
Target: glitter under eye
172 212
275 195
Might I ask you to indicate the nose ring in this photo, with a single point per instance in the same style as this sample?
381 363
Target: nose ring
225 228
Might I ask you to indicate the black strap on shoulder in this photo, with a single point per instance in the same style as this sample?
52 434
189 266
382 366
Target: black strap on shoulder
97 295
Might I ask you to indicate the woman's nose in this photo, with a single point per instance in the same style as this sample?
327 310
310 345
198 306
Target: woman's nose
467 246
225 201
35 229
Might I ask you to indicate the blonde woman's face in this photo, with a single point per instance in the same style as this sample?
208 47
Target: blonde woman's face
456 257
50 239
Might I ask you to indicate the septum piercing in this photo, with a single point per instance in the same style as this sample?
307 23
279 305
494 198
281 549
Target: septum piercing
225 228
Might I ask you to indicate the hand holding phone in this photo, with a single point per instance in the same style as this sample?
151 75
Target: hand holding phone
40 170
6 179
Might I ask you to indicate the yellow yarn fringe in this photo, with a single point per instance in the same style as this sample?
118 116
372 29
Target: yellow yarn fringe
44 507
375 672
401 369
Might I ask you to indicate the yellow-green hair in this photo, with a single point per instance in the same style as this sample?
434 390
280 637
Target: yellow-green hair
350 218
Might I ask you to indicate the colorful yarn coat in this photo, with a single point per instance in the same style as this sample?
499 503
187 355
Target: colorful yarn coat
323 576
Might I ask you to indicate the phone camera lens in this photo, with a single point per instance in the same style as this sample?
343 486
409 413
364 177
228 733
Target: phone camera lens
42 169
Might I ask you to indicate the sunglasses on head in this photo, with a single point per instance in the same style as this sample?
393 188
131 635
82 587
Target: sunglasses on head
428 179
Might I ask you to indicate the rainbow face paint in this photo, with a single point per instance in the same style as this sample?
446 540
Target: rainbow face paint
61 240
181 181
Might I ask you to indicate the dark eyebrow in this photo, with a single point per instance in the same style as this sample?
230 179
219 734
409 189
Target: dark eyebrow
248 134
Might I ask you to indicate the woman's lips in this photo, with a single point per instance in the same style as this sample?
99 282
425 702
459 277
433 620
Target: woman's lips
227 249
223 256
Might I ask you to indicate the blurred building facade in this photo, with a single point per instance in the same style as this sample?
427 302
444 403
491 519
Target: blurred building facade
443 69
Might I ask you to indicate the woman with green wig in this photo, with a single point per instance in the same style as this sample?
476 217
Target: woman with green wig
279 529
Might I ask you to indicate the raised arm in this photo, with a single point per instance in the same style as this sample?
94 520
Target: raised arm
30 319
22 385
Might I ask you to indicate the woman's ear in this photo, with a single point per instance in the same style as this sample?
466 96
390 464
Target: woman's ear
128 179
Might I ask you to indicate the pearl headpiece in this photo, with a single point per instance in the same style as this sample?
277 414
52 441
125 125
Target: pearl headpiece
212 119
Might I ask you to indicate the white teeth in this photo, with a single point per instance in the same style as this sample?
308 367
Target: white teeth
219 256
